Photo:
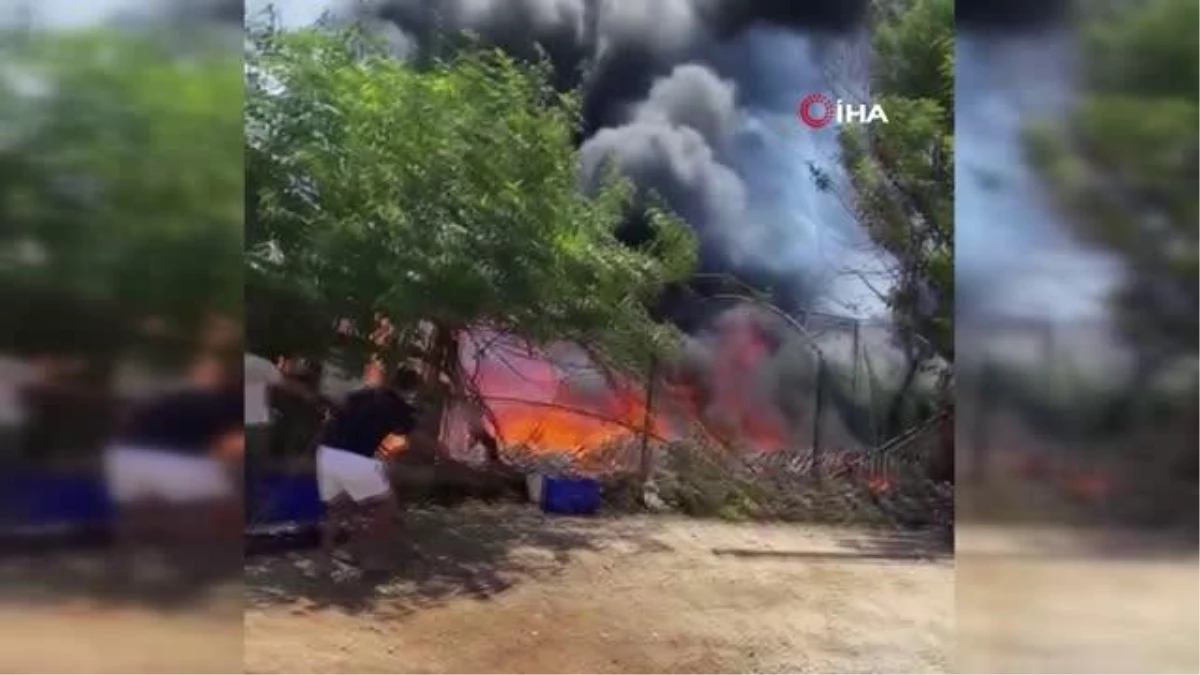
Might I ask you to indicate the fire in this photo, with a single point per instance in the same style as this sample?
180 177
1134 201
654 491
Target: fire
740 411
1088 486
393 446
551 400
879 485
568 424
554 400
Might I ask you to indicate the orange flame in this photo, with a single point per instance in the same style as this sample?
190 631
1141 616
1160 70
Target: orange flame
879 485
547 402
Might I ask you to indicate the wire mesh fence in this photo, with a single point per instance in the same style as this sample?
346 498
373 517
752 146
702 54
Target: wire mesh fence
1073 413
810 394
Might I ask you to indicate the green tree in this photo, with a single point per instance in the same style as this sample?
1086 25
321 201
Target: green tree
1124 167
446 195
120 189
901 177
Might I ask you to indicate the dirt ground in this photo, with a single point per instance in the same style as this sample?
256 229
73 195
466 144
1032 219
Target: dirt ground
58 616
1036 600
510 590
481 590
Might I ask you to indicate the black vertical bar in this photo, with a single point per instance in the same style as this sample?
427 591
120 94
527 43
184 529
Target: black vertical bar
648 465
817 410
854 356
979 425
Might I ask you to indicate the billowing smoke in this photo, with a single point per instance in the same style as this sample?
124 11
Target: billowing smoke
693 100
626 44
673 145
988 15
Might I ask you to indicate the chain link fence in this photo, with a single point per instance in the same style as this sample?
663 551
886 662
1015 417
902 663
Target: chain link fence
1067 420
807 395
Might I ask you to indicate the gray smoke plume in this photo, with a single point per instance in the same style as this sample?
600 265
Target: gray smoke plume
693 96
664 102
1005 17
672 146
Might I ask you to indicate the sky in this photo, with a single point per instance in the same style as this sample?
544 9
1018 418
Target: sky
1015 255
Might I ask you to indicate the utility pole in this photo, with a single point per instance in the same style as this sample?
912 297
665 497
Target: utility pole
818 405
854 358
647 468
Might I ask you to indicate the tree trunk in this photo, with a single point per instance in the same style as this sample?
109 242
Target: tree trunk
647 461
942 469
893 425
440 358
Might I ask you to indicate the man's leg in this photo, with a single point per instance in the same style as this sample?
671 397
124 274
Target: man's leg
336 511
363 482
200 546
205 529
370 487
373 542
334 497
135 526
128 539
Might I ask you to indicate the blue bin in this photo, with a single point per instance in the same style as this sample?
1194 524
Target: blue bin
571 496
55 500
284 498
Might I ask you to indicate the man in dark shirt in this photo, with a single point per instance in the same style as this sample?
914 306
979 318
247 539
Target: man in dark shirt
351 475
171 469
172 448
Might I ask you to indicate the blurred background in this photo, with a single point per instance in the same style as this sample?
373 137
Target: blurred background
1077 312
120 237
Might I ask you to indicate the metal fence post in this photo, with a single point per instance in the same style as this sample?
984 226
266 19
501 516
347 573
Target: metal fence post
854 359
647 464
817 411
979 426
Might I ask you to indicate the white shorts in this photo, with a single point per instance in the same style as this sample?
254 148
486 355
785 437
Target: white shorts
134 473
340 472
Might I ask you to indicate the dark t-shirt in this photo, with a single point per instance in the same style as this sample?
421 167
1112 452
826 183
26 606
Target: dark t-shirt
366 418
64 421
186 422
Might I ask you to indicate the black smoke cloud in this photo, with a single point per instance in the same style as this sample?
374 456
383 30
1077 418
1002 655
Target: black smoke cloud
732 16
625 44
226 13
660 101
672 146
1009 15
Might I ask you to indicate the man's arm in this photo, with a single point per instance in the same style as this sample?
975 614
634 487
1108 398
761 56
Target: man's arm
231 446
296 388
230 442
403 421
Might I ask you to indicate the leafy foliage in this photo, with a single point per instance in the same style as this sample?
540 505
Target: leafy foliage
903 172
1125 164
902 179
447 195
120 189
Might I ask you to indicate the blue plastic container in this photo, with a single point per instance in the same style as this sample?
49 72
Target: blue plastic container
284 498
40 500
571 496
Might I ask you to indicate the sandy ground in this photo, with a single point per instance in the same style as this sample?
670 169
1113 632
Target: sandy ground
514 591
1035 600
83 637
66 626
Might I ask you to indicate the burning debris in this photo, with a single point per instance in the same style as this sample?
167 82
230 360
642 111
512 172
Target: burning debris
554 401
690 99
